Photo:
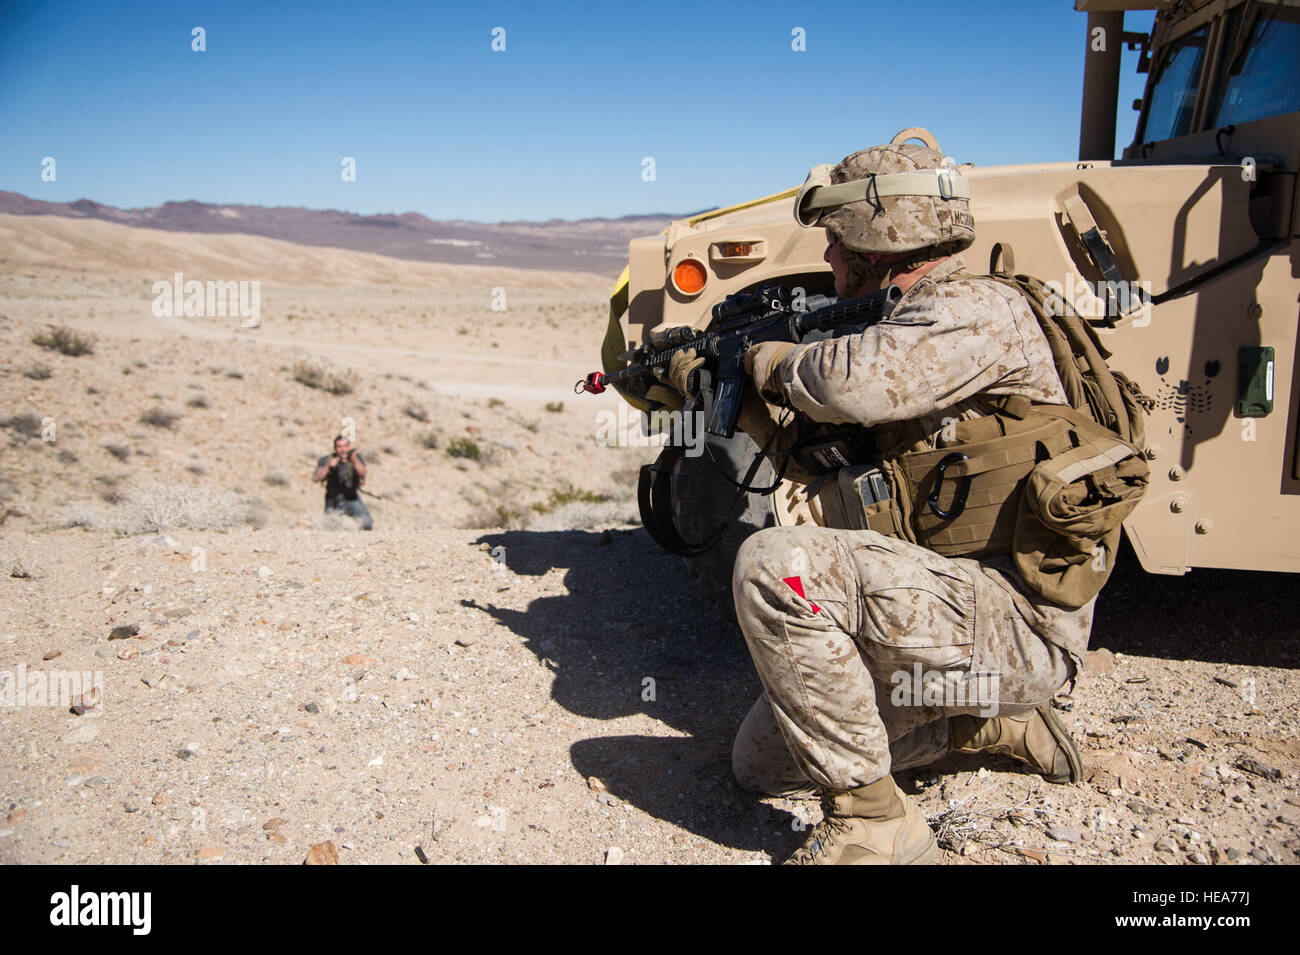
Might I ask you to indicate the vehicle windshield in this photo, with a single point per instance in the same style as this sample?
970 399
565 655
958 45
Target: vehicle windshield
1264 77
1173 97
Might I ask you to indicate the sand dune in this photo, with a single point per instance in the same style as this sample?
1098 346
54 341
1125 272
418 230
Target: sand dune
53 245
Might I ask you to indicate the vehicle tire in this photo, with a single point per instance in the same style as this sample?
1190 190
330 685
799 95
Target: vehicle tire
701 495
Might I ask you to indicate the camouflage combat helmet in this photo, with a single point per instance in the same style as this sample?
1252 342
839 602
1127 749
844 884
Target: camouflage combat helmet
896 198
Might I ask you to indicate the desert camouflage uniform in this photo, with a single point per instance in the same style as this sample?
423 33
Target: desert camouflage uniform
872 606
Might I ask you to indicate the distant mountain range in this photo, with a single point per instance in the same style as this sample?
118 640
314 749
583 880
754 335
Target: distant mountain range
581 245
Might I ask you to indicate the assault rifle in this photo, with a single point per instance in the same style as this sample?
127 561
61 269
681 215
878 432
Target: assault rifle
739 323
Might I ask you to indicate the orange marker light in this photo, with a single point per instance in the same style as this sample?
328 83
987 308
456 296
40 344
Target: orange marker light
689 277
733 249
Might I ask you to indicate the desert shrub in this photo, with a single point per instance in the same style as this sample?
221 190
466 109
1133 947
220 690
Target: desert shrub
555 406
81 517
234 373
198 401
418 412
110 490
276 478
495 402
153 505
305 373
430 440
38 372
160 418
65 341
316 376
28 424
257 513
119 451
500 515
464 448
568 495
156 505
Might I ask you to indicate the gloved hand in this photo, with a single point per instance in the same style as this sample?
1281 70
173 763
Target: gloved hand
761 362
680 367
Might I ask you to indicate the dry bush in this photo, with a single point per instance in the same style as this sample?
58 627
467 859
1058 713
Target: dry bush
317 376
276 478
82 516
497 514
65 341
337 521
119 451
111 491
501 505
418 412
199 401
38 372
464 448
570 494
257 513
160 418
582 515
152 505
28 424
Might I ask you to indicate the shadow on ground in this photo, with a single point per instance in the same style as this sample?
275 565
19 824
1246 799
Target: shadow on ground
633 613
1219 616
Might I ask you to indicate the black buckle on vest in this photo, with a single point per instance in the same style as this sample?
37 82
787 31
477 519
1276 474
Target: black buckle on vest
959 496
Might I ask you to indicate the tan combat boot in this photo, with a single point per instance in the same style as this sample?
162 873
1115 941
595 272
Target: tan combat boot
1037 738
872 825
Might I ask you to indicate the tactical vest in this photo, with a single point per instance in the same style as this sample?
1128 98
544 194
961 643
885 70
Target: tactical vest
1048 484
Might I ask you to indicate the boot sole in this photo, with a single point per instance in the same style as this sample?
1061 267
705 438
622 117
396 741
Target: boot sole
1063 739
925 854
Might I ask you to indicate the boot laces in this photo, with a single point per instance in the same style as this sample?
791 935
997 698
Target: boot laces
821 834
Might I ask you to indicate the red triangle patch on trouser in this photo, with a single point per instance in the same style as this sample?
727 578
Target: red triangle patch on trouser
796 584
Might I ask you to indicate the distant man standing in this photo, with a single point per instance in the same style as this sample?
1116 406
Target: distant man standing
343 473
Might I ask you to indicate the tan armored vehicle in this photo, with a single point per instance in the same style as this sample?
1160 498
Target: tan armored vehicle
1184 254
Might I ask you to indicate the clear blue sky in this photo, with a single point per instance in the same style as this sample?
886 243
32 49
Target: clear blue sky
556 126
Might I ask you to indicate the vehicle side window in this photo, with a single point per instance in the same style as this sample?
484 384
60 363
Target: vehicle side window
1264 79
1173 97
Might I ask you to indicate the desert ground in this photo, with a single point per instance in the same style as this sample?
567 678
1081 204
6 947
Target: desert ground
506 669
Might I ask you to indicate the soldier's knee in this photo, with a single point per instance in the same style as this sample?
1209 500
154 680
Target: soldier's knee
759 555
742 763
761 763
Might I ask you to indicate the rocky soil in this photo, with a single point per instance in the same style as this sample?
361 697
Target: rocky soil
506 669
